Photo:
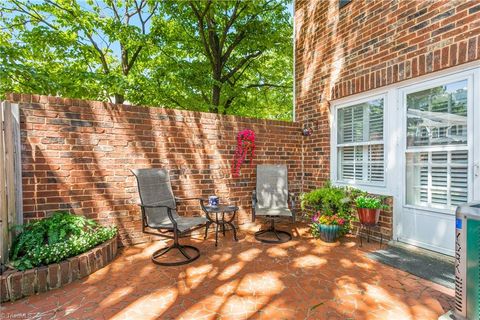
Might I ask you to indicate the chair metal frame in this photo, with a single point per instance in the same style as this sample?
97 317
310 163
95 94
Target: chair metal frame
163 232
272 230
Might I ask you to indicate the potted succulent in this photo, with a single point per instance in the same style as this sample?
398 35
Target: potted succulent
368 209
327 227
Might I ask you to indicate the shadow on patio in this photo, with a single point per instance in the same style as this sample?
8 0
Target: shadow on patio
300 279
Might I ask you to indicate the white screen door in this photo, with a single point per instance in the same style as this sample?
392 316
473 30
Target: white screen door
439 170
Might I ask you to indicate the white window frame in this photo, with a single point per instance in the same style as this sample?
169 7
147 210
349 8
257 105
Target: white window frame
428 84
335 107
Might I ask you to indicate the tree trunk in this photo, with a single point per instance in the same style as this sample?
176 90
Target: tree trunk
119 98
216 88
228 104
215 98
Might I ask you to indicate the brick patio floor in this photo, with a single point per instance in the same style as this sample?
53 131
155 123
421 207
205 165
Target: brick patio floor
300 279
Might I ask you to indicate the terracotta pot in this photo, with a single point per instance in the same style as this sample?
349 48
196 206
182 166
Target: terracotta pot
368 216
328 233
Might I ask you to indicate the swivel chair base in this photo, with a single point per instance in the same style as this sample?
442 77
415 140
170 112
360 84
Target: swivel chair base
182 249
272 235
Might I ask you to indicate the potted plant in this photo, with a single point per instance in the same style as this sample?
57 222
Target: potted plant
330 209
368 209
327 227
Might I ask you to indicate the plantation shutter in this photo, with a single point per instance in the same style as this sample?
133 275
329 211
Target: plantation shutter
376 163
439 178
360 142
437 149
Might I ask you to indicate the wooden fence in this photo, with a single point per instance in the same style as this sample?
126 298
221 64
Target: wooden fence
11 212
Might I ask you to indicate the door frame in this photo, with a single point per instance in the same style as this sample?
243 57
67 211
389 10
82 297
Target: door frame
471 75
476 134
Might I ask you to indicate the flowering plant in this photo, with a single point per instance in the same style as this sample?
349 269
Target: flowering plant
245 145
333 220
322 218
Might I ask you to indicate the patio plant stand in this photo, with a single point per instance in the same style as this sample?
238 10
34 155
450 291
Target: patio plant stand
368 228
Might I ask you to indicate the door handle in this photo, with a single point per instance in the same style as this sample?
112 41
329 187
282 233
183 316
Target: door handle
476 169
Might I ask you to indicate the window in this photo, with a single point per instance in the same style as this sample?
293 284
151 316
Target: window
360 150
437 149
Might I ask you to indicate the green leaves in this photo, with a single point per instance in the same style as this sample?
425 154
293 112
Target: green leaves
369 202
330 201
56 238
231 57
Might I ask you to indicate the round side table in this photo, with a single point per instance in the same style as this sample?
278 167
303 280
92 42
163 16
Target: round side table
220 215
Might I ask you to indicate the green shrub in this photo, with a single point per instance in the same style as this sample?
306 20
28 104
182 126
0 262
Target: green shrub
56 238
369 202
329 201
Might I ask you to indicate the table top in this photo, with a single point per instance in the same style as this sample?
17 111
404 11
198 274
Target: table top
221 208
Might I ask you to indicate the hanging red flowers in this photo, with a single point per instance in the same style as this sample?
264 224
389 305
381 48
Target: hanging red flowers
245 145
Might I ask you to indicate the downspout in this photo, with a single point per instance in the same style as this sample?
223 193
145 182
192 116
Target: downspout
302 181
294 60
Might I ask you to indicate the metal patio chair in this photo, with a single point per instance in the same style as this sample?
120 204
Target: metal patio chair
270 200
159 211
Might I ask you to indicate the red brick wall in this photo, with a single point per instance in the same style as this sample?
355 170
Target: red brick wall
367 45
77 155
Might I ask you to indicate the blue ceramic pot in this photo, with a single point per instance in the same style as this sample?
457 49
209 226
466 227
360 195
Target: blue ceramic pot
328 233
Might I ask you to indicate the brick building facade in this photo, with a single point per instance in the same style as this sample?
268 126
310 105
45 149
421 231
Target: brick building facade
365 48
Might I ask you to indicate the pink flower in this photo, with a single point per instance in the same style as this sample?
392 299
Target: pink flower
243 149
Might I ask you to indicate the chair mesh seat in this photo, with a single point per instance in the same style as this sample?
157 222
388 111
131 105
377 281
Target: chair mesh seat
272 191
282 212
183 223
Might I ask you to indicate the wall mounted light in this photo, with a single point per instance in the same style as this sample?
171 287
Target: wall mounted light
307 131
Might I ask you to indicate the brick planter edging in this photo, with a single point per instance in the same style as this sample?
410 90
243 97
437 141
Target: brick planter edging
18 284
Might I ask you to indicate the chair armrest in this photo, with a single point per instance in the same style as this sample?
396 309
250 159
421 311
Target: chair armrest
254 203
185 199
178 200
291 199
155 205
202 205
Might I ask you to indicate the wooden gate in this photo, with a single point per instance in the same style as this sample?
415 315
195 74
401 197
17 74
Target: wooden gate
11 210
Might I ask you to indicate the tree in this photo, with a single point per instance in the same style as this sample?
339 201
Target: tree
73 49
234 54
231 57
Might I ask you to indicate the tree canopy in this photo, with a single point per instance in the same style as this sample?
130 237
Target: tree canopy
229 57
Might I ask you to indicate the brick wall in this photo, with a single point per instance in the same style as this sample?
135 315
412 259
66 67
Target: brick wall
17 284
77 155
367 45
